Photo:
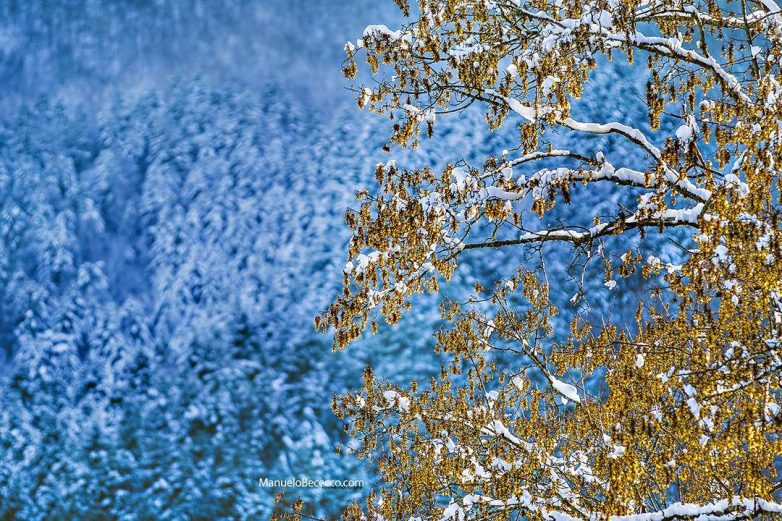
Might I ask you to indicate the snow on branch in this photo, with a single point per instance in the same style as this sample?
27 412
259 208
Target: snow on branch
600 26
725 510
634 135
668 217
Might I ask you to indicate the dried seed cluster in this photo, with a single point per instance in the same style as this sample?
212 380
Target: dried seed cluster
687 406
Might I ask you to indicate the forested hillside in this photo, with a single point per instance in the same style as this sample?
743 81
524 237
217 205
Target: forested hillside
173 181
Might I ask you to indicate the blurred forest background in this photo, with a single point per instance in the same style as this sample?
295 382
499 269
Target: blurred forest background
173 180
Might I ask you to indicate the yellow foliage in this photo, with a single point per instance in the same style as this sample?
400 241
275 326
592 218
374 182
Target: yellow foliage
688 406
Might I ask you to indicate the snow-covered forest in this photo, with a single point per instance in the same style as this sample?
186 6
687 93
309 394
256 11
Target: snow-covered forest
173 182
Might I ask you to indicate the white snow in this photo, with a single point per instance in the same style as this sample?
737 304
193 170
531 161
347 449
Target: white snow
525 112
382 30
453 511
566 390
617 451
639 360
695 407
394 398
684 134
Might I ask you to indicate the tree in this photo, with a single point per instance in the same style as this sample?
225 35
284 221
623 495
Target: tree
157 279
671 415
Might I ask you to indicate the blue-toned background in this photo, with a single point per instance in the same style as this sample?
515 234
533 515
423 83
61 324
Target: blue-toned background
173 177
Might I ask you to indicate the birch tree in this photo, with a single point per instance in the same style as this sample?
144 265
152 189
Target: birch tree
675 416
